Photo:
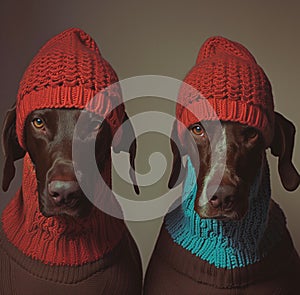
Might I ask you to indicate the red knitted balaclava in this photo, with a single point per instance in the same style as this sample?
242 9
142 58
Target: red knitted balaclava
227 76
67 72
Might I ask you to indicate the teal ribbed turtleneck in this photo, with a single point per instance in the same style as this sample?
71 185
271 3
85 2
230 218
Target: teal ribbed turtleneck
225 244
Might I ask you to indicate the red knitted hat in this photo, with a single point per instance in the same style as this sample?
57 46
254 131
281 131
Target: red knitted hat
227 77
67 72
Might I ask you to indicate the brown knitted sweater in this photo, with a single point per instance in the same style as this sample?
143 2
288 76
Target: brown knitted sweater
174 270
56 255
117 273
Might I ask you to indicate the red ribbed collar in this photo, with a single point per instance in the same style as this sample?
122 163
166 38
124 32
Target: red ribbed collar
57 240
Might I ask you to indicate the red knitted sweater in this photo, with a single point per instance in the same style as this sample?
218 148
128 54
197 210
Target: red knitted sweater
58 240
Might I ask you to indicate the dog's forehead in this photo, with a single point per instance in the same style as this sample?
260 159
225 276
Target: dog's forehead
65 115
56 112
227 127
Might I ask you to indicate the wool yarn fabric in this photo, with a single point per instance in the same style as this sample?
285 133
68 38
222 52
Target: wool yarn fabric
230 244
68 72
58 240
226 84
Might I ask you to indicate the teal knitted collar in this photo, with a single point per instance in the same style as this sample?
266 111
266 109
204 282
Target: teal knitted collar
225 244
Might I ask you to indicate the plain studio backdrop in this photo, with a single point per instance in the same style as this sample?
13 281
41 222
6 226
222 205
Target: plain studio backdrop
161 38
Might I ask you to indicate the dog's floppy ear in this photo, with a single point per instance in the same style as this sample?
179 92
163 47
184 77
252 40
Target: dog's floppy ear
178 170
282 146
11 148
132 154
123 146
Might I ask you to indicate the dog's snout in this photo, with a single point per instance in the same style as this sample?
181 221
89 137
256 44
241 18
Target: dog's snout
61 170
224 197
62 191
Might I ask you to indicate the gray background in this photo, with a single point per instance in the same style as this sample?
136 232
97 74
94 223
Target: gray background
163 38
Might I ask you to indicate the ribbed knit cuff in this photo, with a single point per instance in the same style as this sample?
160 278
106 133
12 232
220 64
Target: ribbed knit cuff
226 110
79 97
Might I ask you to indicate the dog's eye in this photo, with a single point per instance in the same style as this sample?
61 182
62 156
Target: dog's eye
198 130
38 123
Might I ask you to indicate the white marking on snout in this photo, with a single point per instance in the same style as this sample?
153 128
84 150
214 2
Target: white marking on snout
214 175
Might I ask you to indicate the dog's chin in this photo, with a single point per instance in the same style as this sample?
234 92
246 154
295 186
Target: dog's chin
226 217
233 215
77 210
76 214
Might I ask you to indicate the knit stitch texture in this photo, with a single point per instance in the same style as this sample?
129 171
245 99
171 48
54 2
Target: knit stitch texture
58 240
226 84
68 72
226 244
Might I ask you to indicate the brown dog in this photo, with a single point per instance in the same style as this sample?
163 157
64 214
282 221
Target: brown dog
228 236
244 157
49 146
230 201
53 240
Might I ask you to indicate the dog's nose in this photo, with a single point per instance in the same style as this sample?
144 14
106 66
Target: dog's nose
63 191
224 197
